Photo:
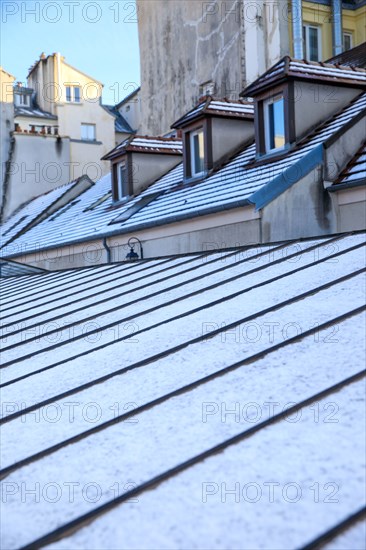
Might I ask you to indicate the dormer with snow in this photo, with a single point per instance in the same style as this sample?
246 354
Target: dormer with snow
295 97
213 132
139 161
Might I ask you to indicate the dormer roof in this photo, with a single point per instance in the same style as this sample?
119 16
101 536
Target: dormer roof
217 107
355 57
288 68
146 144
23 90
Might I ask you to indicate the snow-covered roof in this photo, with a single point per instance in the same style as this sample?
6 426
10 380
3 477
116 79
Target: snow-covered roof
26 215
16 269
355 171
202 401
120 124
355 57
308 70
34 112
217 107
241 181
146 144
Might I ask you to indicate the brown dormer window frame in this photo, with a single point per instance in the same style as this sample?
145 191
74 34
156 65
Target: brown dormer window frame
122 190
261 120
206 126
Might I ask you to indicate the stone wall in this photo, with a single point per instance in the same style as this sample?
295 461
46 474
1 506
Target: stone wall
191 47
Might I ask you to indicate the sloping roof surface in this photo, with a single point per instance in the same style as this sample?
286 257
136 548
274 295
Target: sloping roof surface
24 216
308 70
355 171
217 107
33 110
140 394
354 57
146 144
128 97
15 269
120 124
237 183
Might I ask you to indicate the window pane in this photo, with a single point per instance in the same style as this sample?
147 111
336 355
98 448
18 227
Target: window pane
198 149
122 181
279 123
313 44
275 124
347 41
77 94
88 132
68 93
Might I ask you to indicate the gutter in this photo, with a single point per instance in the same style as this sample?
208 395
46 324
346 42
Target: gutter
340 186
108 250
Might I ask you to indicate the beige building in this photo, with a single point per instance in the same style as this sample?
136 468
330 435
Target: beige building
75 99
6 126
190 49
56 130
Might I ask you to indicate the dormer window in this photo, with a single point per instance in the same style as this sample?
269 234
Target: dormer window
139 161
274 121
22 100
213 131
274 116
197 148
292 99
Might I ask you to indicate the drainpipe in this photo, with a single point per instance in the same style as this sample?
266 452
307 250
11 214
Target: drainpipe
337 26
108 250
296 8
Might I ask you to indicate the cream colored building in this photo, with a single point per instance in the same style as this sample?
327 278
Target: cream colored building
58 128
6 125
75 98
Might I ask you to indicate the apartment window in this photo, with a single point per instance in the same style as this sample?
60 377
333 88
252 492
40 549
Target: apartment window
22 99
312 42
122 181
88 132
197 151
347 41
274 123
73 94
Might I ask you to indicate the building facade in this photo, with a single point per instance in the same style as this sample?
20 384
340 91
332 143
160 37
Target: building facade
6 126
54 130
190 49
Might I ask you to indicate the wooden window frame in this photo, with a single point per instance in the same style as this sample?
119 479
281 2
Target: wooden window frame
204 124
288 93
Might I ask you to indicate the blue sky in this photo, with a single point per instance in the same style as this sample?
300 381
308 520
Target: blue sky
99 38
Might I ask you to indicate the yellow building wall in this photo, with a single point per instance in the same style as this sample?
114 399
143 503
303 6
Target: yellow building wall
353 21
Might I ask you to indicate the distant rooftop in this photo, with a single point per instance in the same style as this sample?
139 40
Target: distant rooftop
355 57
128 98
121 125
